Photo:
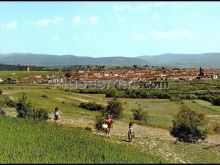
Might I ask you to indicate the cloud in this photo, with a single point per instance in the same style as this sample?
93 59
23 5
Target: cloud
46 22
93 20
9 25
77 20
56 38
171 34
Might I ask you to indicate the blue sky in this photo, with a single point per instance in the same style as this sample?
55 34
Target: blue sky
101 29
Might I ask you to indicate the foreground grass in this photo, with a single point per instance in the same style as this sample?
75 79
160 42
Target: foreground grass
24 141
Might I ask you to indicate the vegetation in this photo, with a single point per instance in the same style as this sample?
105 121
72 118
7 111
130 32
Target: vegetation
139 114
2 112
114 108
25 110
47 143
9 102
44 96
68 74
92 106
99 120
189 126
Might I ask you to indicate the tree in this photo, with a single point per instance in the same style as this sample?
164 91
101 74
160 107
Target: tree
217 101
68 74
139 114
189 126
24 108
114 108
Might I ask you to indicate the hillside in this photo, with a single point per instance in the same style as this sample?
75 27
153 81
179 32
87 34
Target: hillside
24 141
65 60
210 60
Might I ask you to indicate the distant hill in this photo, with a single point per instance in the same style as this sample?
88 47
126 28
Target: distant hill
210 60
65 60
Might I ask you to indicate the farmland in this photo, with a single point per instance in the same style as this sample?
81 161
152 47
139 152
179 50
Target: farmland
23 74
152 138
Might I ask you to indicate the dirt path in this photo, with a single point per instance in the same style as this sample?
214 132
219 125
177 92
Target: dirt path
154 140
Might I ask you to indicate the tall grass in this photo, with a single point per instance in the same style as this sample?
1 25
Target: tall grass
26 141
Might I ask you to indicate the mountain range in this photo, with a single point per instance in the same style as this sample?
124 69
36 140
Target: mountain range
210 60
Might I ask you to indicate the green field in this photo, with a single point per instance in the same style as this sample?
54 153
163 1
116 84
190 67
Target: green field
25 141
160 111
22 74
39 138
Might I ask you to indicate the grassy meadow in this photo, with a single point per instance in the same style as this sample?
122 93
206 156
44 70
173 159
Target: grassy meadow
39 142
25 141
160 111
23 74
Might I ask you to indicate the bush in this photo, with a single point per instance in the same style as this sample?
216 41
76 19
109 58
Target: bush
40 114
216 128
140 115
9 102
217 101
24 108
92 106
1 92
114 108
189 126
99 120
2 112
44 96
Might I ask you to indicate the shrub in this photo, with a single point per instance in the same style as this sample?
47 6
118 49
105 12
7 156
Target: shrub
9 102
189 126
24 108
2 112
92 106
99 120
140 115
40 114
217 101
1 92
114 108
216 128
44 96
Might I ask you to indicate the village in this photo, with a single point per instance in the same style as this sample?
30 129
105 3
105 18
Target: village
139 75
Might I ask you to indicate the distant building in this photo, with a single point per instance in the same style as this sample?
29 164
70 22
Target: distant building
28 68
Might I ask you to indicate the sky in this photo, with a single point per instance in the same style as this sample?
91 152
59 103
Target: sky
104 29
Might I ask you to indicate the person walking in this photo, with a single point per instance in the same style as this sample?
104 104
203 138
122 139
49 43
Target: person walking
109 122
56 115
130 132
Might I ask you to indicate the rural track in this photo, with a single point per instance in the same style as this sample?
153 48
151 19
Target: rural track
148 139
